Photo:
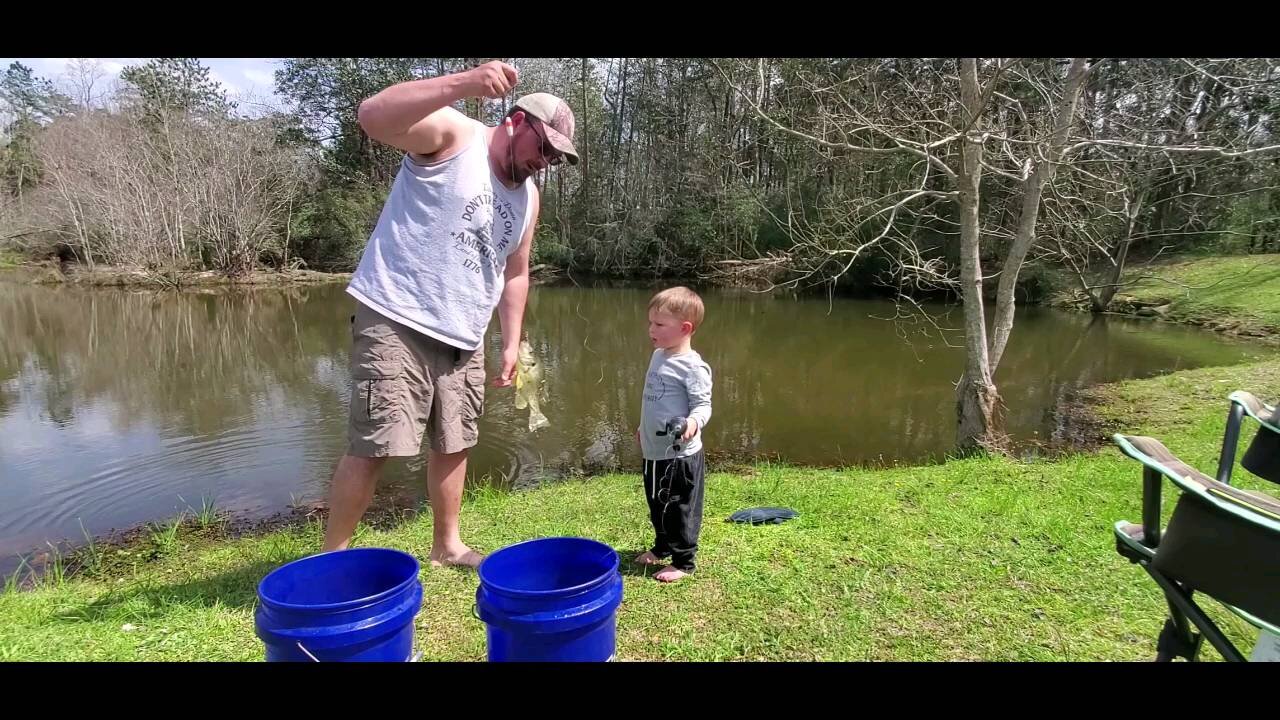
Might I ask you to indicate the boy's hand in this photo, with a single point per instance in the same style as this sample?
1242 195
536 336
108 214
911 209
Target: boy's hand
638 436
690 430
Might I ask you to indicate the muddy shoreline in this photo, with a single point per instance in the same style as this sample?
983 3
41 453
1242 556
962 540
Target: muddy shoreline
52 273
118 552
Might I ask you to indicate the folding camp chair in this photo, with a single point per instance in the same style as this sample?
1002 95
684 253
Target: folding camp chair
1221 541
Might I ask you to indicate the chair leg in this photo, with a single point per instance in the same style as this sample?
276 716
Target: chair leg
1176 639
1177 636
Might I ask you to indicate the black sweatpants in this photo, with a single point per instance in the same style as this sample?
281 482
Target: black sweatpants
673 489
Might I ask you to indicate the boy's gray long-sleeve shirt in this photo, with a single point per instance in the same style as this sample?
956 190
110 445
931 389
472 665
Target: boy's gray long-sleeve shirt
674 386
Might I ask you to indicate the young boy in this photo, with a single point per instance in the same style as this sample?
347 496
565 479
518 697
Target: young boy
678 385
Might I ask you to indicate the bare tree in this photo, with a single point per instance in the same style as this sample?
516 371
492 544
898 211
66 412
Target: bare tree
244 186
933 164
933 141
191 192
1168 148
83 80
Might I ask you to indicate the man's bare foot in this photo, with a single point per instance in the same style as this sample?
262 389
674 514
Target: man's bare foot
464 557
648 558
669 574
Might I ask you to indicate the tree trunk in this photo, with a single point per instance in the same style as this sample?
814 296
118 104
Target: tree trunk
585 134
1101 299
1041 173
617 140
976 395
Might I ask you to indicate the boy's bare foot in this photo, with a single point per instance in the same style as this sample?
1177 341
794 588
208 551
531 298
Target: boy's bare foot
462 557
648 558
669 574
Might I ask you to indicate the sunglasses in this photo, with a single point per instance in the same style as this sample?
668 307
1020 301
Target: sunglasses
556 157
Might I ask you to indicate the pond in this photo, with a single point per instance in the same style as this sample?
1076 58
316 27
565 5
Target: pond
122 407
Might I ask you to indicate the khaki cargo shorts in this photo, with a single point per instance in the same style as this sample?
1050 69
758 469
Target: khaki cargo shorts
404 383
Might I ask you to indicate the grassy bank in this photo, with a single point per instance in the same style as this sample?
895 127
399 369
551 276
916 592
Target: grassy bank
985 559
1239 295
1227 291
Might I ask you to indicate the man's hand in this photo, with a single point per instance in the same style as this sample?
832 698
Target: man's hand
415 116
507 375
691 429
492 80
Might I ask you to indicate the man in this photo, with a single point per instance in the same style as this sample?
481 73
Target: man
452 243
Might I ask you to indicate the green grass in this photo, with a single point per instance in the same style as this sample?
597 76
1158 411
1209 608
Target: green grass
9 259
1240 291
91 554
974 559
208 515
164 536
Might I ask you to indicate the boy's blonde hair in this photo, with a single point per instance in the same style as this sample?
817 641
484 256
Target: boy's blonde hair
680 302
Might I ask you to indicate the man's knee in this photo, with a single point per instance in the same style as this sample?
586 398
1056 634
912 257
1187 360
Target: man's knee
360 468
439 459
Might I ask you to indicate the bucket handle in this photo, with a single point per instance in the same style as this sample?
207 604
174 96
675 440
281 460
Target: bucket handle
308 652
413 658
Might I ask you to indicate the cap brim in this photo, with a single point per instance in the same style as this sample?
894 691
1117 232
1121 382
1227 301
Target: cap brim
561 143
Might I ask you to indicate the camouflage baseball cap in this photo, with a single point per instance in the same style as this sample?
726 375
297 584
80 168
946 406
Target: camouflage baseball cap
557 120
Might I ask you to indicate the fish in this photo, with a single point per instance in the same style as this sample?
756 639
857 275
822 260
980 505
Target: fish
529 386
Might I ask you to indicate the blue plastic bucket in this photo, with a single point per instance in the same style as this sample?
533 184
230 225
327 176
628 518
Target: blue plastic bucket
550 600
345 606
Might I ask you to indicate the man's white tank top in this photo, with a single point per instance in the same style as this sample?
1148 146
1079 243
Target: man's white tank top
436 259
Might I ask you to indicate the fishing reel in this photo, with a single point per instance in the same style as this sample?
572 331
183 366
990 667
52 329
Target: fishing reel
674 429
